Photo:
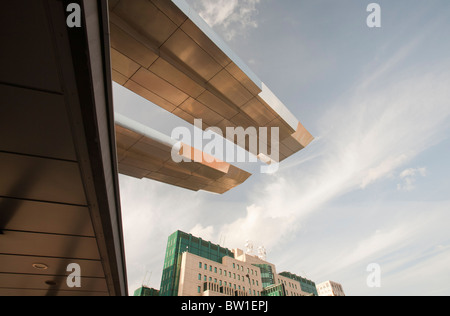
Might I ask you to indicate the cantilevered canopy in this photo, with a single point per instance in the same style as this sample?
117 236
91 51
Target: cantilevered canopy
146 153
163 51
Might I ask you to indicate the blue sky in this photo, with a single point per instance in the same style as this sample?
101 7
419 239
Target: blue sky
374 186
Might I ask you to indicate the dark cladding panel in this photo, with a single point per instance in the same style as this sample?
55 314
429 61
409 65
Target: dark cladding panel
27 57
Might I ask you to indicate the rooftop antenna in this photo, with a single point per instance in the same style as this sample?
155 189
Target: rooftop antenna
249 247
146 281
262 253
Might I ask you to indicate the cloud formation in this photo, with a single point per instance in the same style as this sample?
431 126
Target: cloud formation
386 120
232 17
409 177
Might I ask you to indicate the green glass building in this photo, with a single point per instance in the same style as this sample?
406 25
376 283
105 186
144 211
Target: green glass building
307 286
267 276
145 291
274 290
178 243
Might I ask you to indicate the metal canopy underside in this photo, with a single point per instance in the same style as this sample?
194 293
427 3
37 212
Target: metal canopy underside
144 153
59 199
164 52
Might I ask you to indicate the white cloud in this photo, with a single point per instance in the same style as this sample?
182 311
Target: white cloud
412 172
232 17
384 122
385 168
379 242
431 273
408 178
150 214
402 237
206 233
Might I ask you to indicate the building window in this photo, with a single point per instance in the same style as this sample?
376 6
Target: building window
206 266
199 289
215 270
205 278
199 277
234 266
200 265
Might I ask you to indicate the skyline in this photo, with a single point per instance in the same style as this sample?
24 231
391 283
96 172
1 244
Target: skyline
371 188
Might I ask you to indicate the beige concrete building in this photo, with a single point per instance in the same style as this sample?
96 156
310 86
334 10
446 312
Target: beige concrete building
330 288
243 275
